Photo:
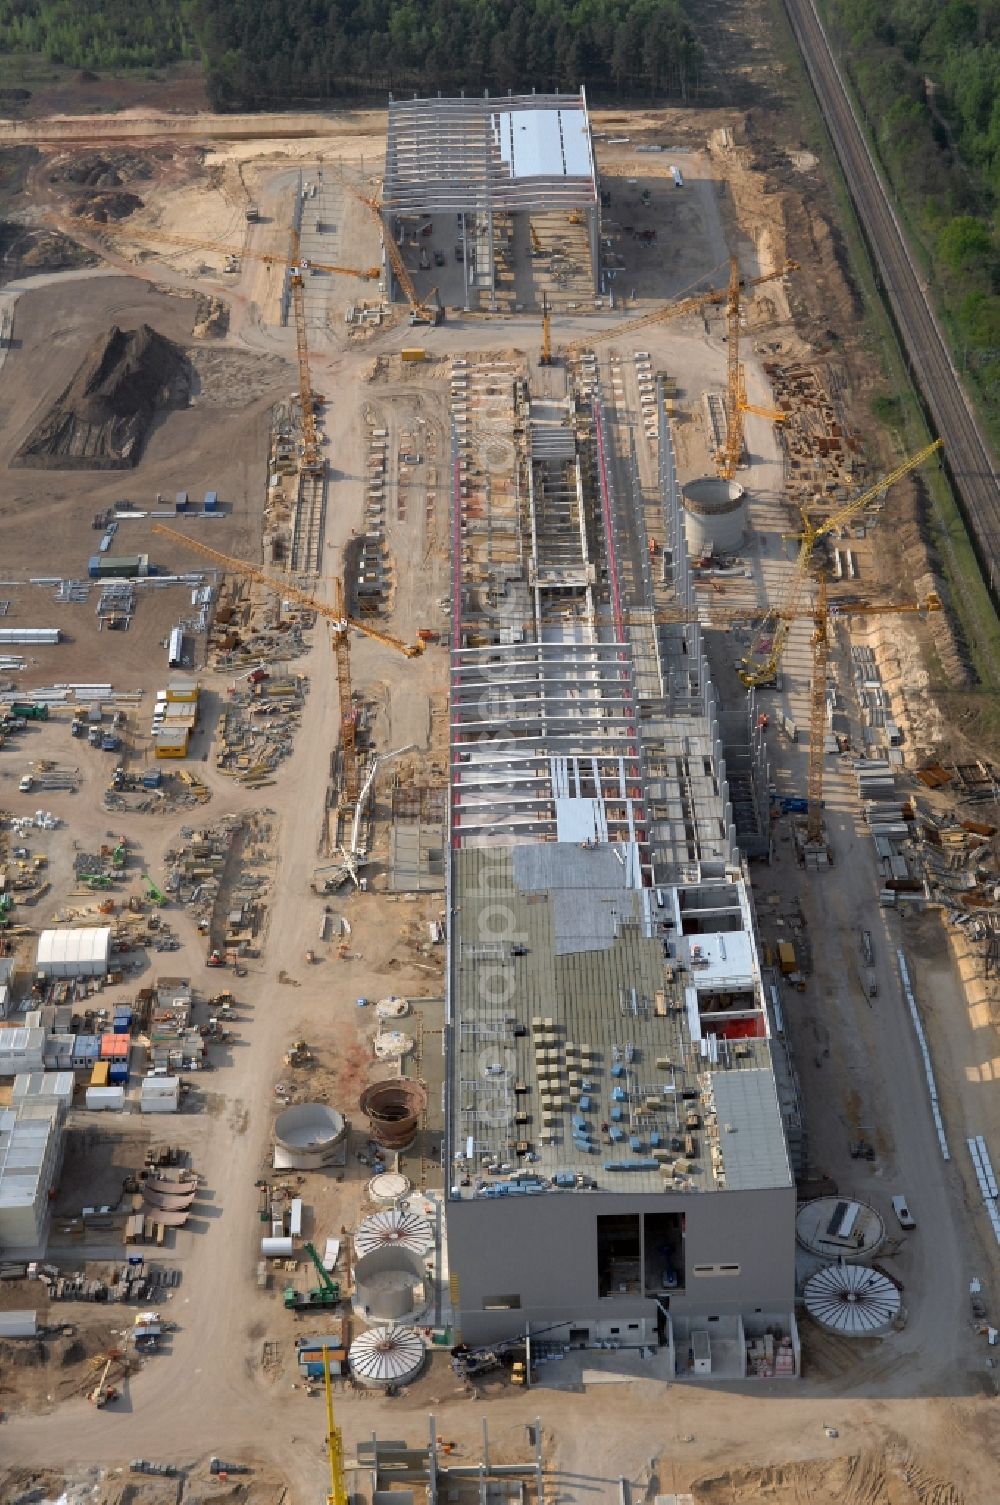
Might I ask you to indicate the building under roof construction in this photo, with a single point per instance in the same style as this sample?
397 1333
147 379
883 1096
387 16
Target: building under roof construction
618 1167
483 159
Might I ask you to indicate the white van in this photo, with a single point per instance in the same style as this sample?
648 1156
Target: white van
903 1215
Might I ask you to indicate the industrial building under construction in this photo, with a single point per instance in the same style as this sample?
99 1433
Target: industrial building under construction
618 1165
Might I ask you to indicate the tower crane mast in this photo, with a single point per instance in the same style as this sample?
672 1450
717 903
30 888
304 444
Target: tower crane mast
334 1441
762 661
312 461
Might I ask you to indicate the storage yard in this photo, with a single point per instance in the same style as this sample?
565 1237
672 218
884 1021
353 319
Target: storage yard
485 914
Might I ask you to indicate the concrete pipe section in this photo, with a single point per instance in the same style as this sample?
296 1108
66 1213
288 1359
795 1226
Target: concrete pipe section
308 1136
393 1109
715 516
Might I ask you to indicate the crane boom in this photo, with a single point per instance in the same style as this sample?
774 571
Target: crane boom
128 230
336 615
675 310
421 309
312 461
334 1441
762 661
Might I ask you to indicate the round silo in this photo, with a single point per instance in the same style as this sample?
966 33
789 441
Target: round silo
715 516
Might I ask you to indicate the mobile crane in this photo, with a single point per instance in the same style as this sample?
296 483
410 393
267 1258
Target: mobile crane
326 1294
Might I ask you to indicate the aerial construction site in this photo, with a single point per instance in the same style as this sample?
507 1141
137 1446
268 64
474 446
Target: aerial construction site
472 758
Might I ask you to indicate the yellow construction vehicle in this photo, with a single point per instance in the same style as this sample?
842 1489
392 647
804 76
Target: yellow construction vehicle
102 1392
334 1441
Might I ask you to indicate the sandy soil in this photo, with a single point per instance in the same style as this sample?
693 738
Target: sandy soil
915 1418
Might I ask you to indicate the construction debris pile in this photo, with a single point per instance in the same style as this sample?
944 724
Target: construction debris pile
253 626
256 730
959 862
182 790
823 454
135 1282
212 875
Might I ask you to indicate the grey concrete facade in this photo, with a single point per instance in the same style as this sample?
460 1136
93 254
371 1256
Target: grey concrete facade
543 1250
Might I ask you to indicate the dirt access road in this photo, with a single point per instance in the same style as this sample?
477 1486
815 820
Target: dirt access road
210 1394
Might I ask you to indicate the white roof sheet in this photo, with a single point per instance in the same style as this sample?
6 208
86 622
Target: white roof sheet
544 143
72 946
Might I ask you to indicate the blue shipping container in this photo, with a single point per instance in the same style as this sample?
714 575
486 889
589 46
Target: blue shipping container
94 566
118 1072
211 501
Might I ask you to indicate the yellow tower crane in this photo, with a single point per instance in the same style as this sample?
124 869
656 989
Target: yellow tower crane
312 460
126 229
334 1442
734 289
340 624
429 310
731 450
762 661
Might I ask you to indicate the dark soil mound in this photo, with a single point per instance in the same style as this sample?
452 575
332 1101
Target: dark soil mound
101 420
102 207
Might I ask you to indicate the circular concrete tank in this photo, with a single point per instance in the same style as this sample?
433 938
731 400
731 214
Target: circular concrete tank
715 516
394 1229
854 1300
390 1284
393 1110
389 1187
386 1356
831 1226
307 1136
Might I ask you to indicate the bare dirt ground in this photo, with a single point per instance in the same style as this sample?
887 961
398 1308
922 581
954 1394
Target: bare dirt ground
911 1419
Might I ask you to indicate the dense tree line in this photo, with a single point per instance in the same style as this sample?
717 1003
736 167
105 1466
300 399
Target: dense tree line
98 33
270 52
259 50
928 74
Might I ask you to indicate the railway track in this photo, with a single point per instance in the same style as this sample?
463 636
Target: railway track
967 456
